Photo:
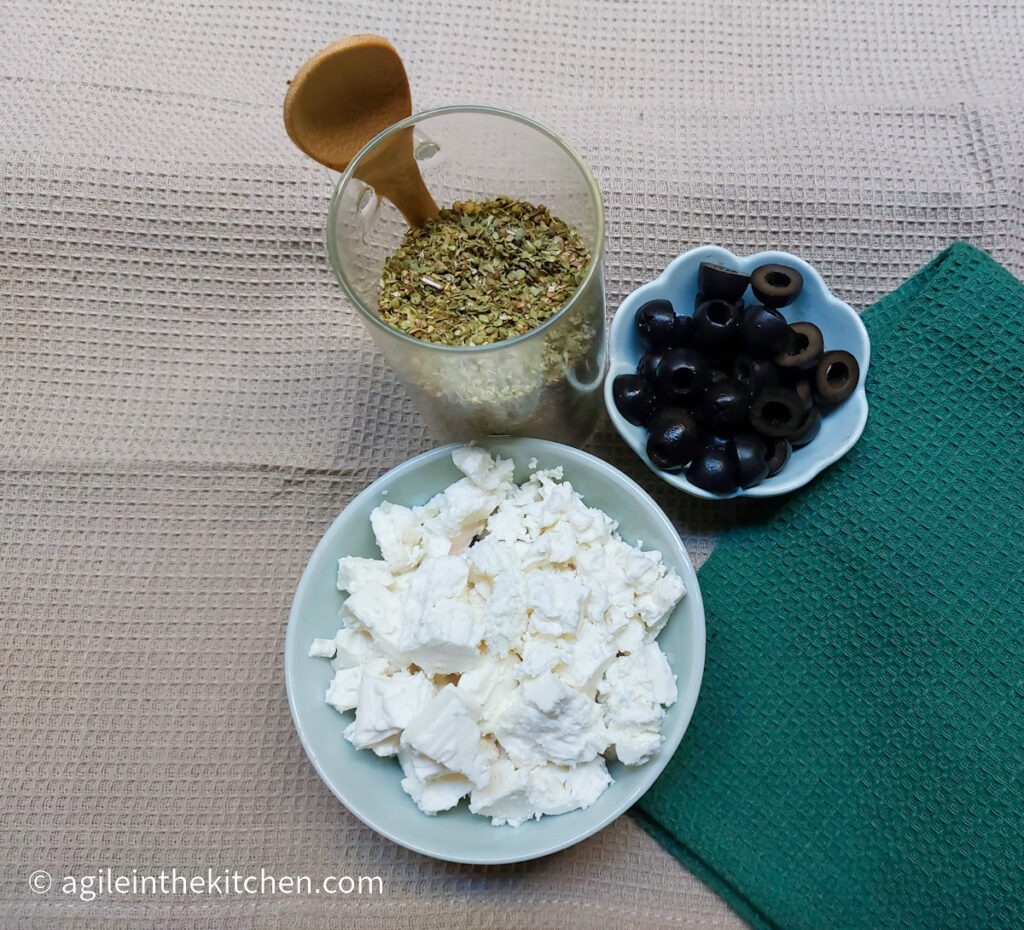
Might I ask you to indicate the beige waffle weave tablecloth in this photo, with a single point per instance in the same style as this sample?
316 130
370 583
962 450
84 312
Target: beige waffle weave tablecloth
186 400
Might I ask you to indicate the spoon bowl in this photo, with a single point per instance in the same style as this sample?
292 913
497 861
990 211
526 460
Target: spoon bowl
343 97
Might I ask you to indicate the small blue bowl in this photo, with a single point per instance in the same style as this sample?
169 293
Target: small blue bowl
840 326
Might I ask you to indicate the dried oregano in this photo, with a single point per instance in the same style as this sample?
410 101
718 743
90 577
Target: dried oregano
481 273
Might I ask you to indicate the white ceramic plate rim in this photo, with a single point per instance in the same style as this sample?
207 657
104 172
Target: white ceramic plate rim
686 701
634 435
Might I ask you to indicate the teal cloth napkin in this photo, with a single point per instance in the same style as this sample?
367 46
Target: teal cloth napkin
856 759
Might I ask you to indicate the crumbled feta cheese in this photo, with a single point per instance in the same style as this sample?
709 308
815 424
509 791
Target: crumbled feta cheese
430 785
540 654
437 577
343 692
487 688
377 610
354 647
656 606
386 702
322 649
502 643
505 798
489 558
633 691
459 512
386 747
445 731
547 721
555 789
438 794
555 600
354 572
507 616
418 766
555 545
485 472
628 638
445 637
399 535
587 658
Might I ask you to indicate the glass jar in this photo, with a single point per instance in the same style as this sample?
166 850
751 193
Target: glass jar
543 383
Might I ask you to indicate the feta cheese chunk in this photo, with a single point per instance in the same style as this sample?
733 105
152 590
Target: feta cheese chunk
459 512
555 545
386 702
487 688
540 654
440 794
586 658
633 692
445 731
555 601
655 607
354 647
343 691
445 638
554 789
505 798
399 535
506 612
430 785
354 572
322 649
486 473
437 577
547 721
377 610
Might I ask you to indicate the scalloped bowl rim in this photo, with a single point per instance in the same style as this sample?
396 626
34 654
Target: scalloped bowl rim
635 436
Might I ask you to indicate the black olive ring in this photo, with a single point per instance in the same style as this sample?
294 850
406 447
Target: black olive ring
836 376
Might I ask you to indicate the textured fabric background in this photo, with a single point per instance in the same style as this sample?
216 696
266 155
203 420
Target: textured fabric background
186 400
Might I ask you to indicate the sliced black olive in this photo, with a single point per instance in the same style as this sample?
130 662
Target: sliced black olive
779 454
673 438
805 347
655 321
764 332
807 430
716 282
719 441
803 387
714 470
754 374
836 377
717 374
634 398
776 411
682 373
682 331
723 404
716 325
776 285
752 456
648 366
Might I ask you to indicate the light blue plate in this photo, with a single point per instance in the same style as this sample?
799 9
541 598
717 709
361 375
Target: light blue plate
369 786
839 324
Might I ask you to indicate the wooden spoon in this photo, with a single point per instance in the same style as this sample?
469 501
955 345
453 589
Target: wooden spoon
340 99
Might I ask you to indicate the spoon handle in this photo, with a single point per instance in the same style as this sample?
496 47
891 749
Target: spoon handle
391 170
